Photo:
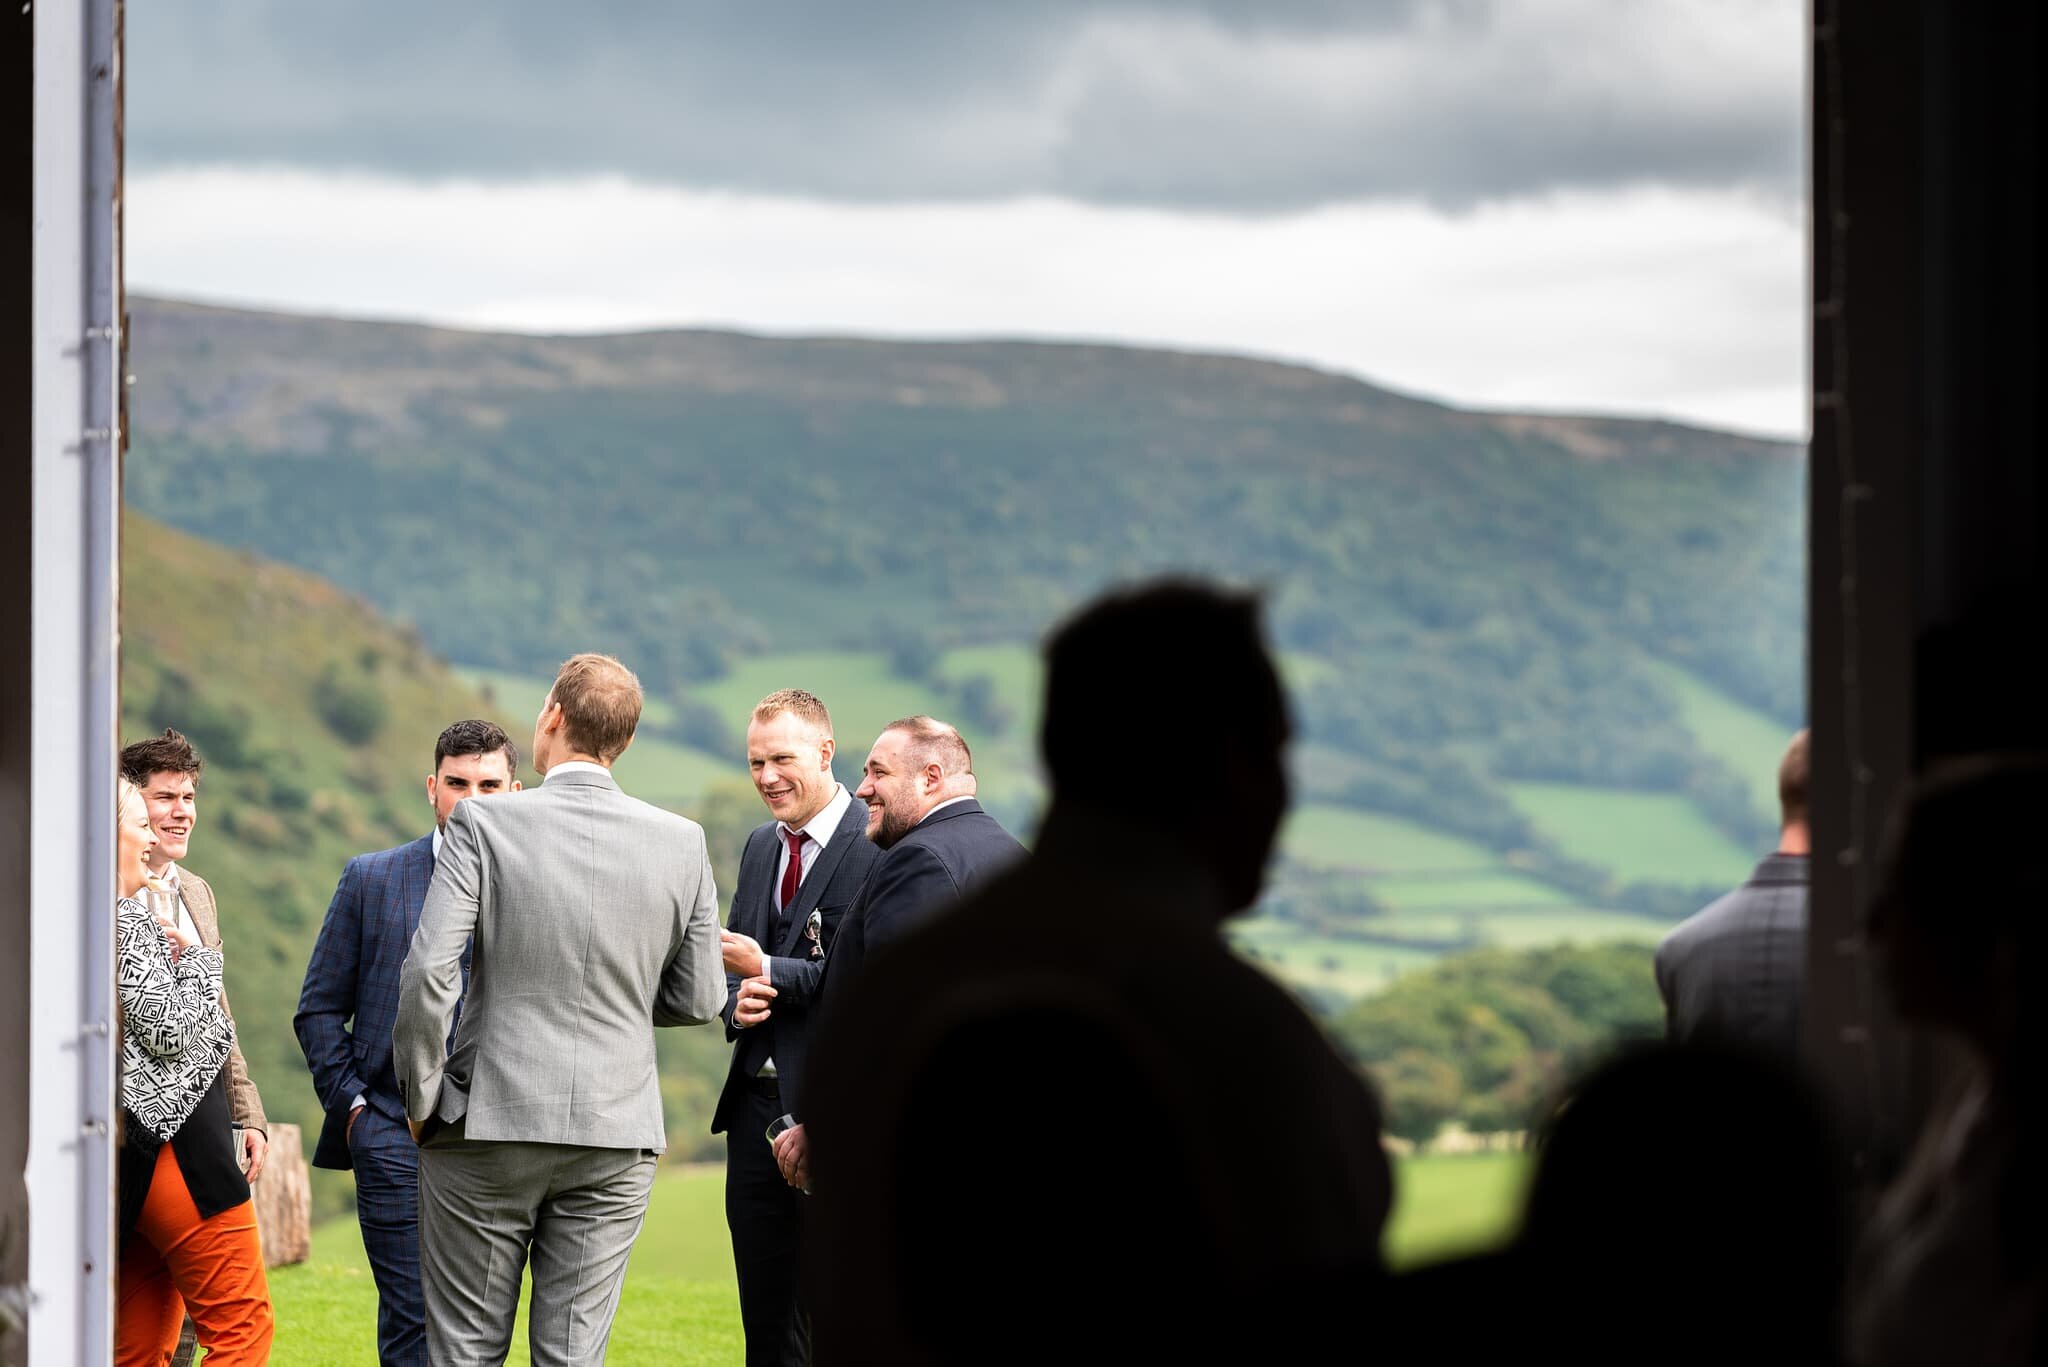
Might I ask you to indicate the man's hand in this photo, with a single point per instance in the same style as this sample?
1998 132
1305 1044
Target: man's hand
257 1145
348 1135
742 954
793 1156
752 1007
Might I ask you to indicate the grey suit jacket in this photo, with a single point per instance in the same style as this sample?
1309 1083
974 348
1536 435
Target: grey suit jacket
1736 972
594 920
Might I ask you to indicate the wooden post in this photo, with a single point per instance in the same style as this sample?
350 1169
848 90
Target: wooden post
284 1200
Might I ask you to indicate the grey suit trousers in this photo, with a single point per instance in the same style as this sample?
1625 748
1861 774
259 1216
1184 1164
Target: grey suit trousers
484 1204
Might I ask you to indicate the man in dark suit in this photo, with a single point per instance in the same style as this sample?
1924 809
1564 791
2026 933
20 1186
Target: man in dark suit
1073 1070
1735 972
346 1011
938 845
798 875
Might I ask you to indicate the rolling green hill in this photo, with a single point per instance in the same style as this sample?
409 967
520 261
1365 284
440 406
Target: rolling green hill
1541 666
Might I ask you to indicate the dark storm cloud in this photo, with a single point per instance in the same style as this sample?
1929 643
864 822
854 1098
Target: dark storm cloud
1234 107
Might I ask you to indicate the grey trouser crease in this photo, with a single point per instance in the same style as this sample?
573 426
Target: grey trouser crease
487 1207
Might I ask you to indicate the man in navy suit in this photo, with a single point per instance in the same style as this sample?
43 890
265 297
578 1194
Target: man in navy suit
346 1012
938 845
797 876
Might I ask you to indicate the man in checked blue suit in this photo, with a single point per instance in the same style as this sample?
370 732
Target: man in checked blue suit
798 875
346 1012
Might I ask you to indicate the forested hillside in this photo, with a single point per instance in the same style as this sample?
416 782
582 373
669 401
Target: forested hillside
1541 665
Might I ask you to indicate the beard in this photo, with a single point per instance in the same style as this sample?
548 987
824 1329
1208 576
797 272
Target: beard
895 825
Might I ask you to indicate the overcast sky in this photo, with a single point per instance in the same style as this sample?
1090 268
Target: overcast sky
1558 204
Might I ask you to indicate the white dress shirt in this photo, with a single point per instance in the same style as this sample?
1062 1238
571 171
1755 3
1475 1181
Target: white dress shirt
819 828
574 766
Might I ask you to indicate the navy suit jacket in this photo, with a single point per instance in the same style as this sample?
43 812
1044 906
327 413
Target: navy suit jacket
949 854
349 1003
828 889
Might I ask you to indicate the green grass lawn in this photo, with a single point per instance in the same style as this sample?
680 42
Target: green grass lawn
1654 836
681 1305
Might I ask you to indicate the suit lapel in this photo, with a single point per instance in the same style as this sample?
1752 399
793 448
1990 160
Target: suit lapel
412 888
757 918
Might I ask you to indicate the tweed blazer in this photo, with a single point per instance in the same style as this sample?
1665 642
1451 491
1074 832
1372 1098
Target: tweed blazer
243 1099
594 920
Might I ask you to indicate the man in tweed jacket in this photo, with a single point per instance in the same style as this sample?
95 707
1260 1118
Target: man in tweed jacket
166 768
594 920
347 1009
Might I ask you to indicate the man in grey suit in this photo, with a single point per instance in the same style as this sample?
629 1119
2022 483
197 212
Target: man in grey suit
594 920
1735 972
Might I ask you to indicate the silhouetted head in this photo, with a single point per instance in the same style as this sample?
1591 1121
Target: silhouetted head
1162 705
1957 919
1696 1193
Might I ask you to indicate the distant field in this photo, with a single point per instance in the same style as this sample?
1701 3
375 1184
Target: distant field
681 1306
1329 837
1421 892
1350 968
1746 740
1518 928
1659 837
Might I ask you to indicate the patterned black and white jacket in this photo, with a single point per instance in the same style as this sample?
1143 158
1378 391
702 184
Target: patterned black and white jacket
176 1036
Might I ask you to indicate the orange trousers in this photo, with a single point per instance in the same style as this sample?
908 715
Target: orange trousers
175 1261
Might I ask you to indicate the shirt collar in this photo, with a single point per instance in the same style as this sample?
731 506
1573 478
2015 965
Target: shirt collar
169 878
575 766
437 840
822 826
949 802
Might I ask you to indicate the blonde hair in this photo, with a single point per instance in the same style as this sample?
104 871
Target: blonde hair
600 702
125 792
799 704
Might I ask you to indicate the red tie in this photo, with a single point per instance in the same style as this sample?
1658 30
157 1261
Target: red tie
794 874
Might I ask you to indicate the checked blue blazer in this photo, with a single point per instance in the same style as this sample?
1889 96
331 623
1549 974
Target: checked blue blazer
350 999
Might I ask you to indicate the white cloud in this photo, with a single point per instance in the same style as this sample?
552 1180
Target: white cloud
1682 303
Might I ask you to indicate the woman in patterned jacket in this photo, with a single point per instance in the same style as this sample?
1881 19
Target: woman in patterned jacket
188 1228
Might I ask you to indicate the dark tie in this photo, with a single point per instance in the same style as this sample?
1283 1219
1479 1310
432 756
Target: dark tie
794 874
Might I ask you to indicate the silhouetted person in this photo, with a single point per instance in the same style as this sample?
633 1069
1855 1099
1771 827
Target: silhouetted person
1686 1208
1952 1268
1736 972
1065 1123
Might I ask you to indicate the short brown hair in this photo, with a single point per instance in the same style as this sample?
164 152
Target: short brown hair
799 704
1792 780
934 742
600 702
170 752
